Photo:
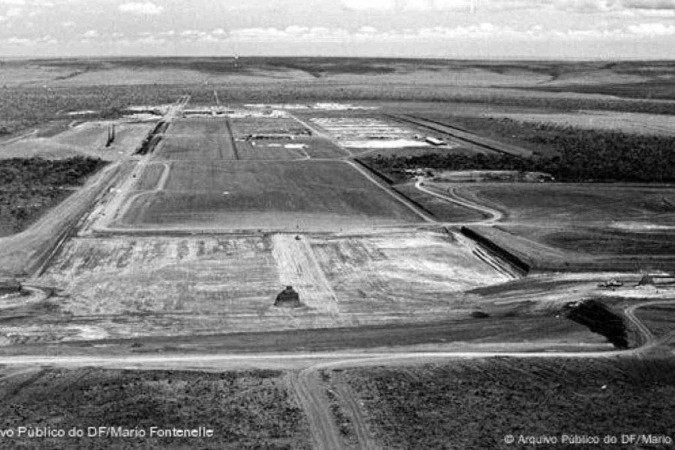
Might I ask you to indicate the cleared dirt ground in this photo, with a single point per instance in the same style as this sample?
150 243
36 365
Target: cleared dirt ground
398 273
124 287
87 139
197 139
298 196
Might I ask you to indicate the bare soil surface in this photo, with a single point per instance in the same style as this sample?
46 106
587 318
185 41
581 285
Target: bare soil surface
262 195
86 139
141 286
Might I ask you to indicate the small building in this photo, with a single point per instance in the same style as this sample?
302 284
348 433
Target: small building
435 141
288 298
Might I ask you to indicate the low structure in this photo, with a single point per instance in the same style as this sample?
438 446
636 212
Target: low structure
288 298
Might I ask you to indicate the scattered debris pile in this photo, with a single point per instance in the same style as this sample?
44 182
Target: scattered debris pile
288 298
610 284
646 280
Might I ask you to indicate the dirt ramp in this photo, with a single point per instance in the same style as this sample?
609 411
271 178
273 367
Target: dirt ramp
299 268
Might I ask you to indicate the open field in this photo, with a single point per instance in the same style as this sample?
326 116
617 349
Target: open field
303 195
161 286
474 404
107 86
526 332
250 409
209 140
84 140
441 210
554 75
429 313
267 125
372 274
567 225
630 123
619 206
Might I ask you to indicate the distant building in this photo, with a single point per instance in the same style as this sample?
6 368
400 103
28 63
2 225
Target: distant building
434 141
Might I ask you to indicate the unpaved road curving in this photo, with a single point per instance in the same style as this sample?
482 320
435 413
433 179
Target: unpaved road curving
493 215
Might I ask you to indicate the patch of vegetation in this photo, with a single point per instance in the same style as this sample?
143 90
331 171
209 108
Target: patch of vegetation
661 89
474 404
600 319
25 107
582 155
341 418
30 186
245 409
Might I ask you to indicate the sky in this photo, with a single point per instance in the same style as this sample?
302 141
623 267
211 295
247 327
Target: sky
474 29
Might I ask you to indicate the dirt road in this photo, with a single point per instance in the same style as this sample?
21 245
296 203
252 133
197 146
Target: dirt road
312 396
305 377
493 215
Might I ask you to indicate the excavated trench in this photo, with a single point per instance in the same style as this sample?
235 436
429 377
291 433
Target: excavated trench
600 319
153 139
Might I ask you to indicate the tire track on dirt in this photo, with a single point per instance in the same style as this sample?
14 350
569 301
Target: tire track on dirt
400 198
311 394
493 215
348 401
233 143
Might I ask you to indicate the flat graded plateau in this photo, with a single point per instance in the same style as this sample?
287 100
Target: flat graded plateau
199 237
288 196
162 286
218 138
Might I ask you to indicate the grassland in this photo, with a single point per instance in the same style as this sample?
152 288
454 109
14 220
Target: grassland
620 205
558 226
244 409
29 187
474 404
38 91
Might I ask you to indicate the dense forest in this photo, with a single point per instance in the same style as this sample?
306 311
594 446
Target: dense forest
582 155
